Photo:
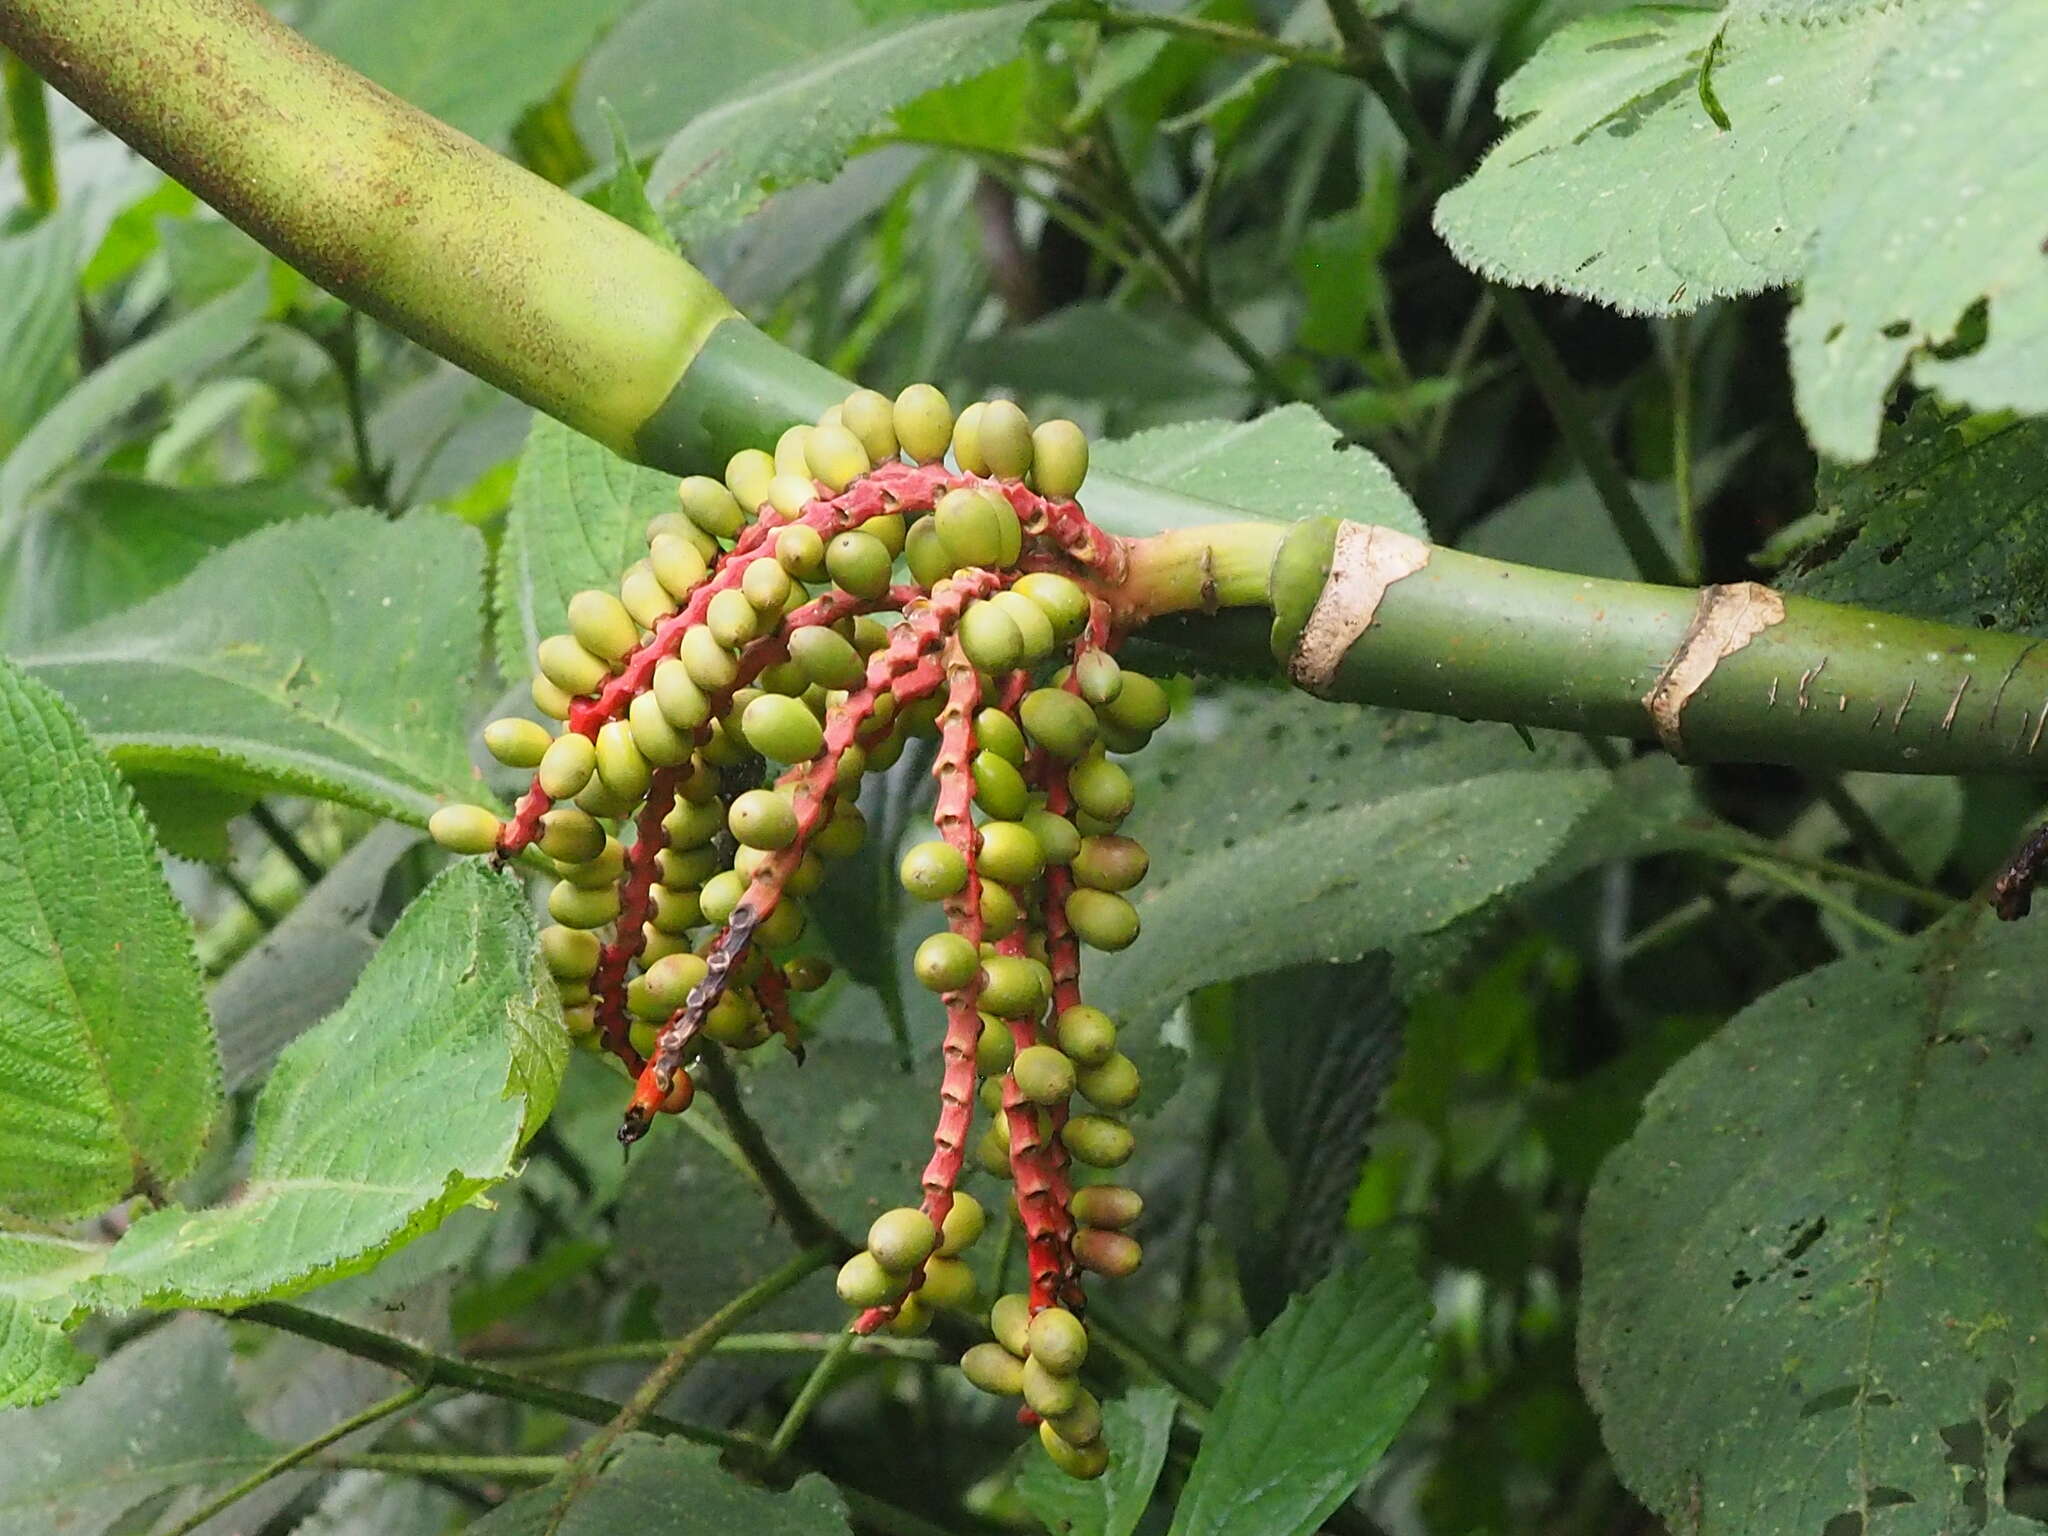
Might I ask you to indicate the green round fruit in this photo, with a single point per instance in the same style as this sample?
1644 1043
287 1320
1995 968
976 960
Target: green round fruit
732 1021
571 953
1083 1462
999 788
1004 437
864 1283
1058 1340
571 835
646 599
604 803
1000 913
710 665
602 626
901 1239
1034 629
967 440
1098 676
1140 704
1098 1141
1060 599
693 823
644 1037
622 767
659 742
783 926
992 1151
945 962
843 833
602 868
767 587
676 525
1106 1205
1059 721
1102 919
835 456
800 550
996 732
464 828
790 494
677 909
859 562
827 657
948 1285
1114 1254
721 894
669 981
567 765
995 1050
1010 1321
925 553
676 565
962 1227
760 818
1059 459
574 907
990 638
1011 987
1080 1425
976 528
790 457
1112 1085
732 620
711 506
1111 863
1048 1392
566 664
1009 853
806 973
1056 835
869 416
993 1369
890 529
1044 1074
932 871
782 729
1101 789
549 697
517 742
923 422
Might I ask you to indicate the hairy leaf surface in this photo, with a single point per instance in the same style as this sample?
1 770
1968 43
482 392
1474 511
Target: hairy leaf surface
36 1360
1136 1427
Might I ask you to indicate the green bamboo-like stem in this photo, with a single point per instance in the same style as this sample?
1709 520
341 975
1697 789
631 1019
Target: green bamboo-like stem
569 309
28 123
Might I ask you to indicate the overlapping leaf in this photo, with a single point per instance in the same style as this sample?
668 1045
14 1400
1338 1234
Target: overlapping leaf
38 324
331 655
661 1489
36 1360
108 1077
375 1125
1821 1252
1135 1427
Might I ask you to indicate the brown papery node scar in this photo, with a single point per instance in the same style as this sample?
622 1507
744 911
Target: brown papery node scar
891 571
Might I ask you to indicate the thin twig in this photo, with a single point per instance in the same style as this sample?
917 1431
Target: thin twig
1870 838
807 1396
287 843
877 1345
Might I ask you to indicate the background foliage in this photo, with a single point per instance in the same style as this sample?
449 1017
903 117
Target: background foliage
1543 1138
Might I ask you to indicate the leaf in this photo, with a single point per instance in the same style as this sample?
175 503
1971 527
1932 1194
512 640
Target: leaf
108 542
1311 1403
624 195
36 1361
157 1426
475 64
1822 1254
62 438
38 324
664 1489
1093 351
1284 465
306 965
410 1101
108 1077
1616 183
274 664
1360 828
800 123
1946 523
1135 1427
1883 287
579 518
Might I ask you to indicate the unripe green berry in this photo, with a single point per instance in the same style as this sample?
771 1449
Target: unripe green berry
991 1095
1048 1392
676 910
693 823
570 835
747 474
859 563
999 789
732 620
1114 1254
766 585
995 1050
1010 1321
1058 1341
574 907
962 1227
721 894
1056 835
1106 1205
945 962
806 973
864 1283
868 634
645 1037
1034 629
604 803
602 868
708 664
1098 676
967 440
790 494
932 871
1101 789
783 926
835 456
992 1151
782 729
723 748
549 697
1011 987
948 1285
1044 1074
1083 1462
1111 863
1102 919
622 767
580 1020
464 828
1098 1141
659 741
646 599
571 954
1080 1425
1140 704
566 664
996 732
889 530
732 1021
656 945
713 507
869 416
677 525
925 553
923 422
1059 459
901 1239
1059 721
516 742
842 835
1059 598
993 1369
567 766
989 638
1010 853
800 550
974 527
790 451
1003 435
827 657
676 565
760 818
911 1319
669 981
1112 1085
602 626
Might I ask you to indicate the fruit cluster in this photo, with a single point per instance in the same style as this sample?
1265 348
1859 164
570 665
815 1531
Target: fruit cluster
683 860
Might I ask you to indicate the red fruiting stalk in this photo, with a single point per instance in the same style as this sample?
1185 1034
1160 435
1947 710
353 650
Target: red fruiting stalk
1067 526
636 891
1047 1227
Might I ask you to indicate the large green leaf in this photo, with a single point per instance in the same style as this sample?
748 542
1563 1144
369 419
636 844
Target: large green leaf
411 1100
108 1077
579 518
157 1428
38 324
661 1489
1933 213
1616 181
1814 1274
1135 1427
1360 828
800 123
1947 522
331 655
108 542
476 64
36 1360
1311 1404
1282 466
